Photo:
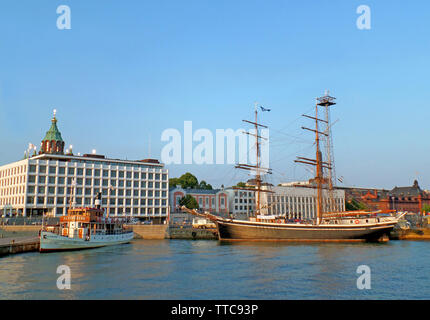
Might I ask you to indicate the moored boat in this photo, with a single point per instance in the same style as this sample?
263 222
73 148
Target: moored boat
84 228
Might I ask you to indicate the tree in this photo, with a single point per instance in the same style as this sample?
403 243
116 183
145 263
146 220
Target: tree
189 202
426 208
204 185
354 205
187 180
241 185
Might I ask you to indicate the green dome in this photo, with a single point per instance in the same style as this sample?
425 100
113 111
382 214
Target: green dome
53 133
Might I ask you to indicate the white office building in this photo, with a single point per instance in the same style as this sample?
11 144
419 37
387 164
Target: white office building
51 182
298 201
240 202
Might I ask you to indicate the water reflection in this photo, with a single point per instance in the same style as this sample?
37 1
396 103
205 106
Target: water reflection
180 269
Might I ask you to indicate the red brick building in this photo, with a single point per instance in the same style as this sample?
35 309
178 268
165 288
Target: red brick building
411 199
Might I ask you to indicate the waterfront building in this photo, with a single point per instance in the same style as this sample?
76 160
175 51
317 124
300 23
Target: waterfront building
214 200
241 203
52 182
412 198
298 201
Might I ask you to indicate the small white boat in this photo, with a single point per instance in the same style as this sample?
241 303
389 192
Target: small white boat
84 228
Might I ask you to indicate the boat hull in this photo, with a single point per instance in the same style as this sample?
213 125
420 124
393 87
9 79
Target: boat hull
50 242
254 231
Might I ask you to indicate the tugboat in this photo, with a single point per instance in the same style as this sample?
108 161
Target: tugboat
84 228
330 223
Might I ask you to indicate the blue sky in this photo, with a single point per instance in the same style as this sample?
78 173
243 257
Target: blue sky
128 70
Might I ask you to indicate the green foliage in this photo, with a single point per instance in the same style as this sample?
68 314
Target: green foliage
241 185
426 208
204 185
188 180
354 205
189 202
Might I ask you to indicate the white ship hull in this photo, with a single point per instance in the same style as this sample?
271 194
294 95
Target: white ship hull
54 242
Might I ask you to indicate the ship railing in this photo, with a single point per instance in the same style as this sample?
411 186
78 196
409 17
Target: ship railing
116 232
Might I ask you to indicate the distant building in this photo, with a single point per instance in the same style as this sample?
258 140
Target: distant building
411 199
51 182
240 202
214 201
298 201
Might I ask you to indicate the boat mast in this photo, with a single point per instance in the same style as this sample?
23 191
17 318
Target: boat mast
318 162
319 174
326 102
257 168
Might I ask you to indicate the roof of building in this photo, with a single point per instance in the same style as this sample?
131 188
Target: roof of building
414 190
53 134
90 158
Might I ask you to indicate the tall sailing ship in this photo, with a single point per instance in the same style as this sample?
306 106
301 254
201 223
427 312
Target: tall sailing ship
330 223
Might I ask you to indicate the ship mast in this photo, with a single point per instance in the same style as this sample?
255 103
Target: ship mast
257 168
318 162
326 102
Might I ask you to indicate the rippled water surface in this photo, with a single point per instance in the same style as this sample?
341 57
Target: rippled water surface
180 269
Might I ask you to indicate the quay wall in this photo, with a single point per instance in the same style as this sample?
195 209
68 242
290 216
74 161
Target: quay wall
18 245
192 233
153 231
411 234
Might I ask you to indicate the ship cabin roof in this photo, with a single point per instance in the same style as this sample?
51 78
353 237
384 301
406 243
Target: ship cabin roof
92 213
